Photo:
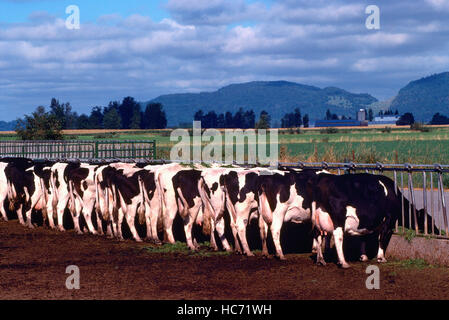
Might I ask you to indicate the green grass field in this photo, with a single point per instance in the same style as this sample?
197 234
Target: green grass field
367 145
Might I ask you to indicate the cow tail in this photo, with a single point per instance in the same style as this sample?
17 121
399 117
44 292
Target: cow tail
207 208
11 195
45 196
106 212
141 209
161 201
97 197
72 206
115 203
54 201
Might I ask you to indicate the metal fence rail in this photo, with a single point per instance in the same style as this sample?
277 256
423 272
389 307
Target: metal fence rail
74 149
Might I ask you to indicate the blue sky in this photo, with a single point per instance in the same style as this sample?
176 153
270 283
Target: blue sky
20 10
148 48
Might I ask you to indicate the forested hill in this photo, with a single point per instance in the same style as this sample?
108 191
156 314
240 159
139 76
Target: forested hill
424 97
276 97
7 126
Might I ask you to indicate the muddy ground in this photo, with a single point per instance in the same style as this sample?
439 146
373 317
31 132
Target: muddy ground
33 265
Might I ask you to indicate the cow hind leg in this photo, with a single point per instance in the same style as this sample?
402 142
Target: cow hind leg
384 239
130 220
318 240
87 213
213 243
276 226
220 227
363 256
338 238
241 228
263 228
2 209
188 224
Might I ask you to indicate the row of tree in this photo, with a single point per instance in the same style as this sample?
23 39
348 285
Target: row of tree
294 120
117 115
47 125
241 119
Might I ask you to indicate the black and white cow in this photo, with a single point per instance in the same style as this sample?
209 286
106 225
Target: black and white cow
283 197
120 196
81 183
15 181
355 204
241 202
213 195
61 193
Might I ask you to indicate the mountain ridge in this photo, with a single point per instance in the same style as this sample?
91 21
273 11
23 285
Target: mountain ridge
276 97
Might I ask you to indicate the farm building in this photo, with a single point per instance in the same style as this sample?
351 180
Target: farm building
340 123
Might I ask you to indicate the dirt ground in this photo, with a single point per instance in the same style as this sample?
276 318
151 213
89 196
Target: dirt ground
33 265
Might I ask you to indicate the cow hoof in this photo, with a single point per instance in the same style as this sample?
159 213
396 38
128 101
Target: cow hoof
381 260
282 258
363 258
250 254
321 262
345 266
138 240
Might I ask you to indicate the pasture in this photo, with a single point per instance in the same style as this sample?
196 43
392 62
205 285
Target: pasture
362 145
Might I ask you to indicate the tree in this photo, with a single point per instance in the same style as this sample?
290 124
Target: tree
40 125
406 119
198 116
297 120
264 121
328 115
111 119
439 119
210 120
229 120
305 120
249 119
83 122
96 118
136 119
126 111
238 119
370 115
64 114
154 116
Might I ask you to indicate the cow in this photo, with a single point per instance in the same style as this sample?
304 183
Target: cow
241 203
283 197
15 181
153 204
355 204
81 183
186 186
213 196
61 193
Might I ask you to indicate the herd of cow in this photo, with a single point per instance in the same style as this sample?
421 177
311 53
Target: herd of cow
353 204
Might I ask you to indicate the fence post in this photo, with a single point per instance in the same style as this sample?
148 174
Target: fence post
424 192
412 198
443 201
432 214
